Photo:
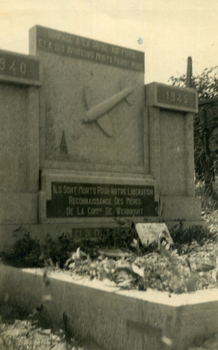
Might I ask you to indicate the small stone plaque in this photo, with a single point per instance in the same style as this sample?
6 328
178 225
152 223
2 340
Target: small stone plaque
171 97
97 233
150 232
85 200
19 68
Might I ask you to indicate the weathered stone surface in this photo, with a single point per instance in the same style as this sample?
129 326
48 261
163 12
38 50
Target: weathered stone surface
19 69
18 208
153 232
19 122
83 84
181 208
172 157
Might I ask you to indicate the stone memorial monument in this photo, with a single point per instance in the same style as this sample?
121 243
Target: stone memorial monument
84 142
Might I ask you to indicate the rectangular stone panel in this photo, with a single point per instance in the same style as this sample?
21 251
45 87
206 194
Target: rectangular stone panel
91 110
14 169
100 200
95 201
171 97
97 233
173 156
75 46
19 69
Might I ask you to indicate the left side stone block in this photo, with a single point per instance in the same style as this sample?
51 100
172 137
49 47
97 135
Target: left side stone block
18 208
20 79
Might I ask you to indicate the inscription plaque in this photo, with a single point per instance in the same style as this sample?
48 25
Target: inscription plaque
73 200
96 233
19 68
75 46
171 97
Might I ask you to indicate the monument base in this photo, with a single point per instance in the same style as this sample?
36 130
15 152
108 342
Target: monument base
9 234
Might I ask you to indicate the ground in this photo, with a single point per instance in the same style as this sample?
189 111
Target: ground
20 331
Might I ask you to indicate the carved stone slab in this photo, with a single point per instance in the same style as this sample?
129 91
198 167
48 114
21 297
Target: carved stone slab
91 104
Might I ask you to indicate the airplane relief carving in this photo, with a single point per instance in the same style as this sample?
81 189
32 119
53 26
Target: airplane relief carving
99 112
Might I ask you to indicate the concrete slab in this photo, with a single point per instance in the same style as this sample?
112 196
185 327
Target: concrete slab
116 319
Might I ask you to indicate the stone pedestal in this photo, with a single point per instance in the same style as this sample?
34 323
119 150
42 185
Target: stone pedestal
20 79
170 113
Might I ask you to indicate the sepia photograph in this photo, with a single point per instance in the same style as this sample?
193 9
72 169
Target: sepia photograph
108 164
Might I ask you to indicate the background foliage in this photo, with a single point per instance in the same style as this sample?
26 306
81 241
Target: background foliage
205 83
205 123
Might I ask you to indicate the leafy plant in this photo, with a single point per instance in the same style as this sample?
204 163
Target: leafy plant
190 264
205 83
26 251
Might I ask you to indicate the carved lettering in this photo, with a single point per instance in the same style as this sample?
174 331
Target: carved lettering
115 50
129 54
133 201
121 62
100 46
2 64
79 47
50 47
108 211
103 58
80 212
118 201
86 43
100 200
94 211
69 211
176 98
19 67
